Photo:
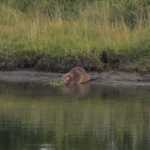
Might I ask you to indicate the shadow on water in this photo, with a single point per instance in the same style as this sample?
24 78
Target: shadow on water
89 117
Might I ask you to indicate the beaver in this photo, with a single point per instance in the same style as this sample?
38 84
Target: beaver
76 75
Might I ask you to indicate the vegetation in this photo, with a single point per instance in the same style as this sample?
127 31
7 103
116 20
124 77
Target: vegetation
58 34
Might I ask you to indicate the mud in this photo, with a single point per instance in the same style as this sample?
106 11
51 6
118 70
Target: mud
110 78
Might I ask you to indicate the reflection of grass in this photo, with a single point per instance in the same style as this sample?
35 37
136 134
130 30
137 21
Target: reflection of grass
27 38
76 118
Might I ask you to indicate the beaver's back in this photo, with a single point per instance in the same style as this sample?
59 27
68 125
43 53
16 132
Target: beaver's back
79 75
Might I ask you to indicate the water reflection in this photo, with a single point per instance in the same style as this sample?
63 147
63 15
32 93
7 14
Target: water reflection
39 117
79 90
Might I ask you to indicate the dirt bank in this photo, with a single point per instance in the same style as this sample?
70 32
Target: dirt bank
111 78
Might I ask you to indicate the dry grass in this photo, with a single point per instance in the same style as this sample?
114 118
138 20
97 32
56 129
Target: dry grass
92 30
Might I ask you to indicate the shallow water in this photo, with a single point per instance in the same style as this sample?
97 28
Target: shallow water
89 117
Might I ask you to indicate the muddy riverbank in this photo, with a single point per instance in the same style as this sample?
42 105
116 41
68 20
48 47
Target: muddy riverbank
111 78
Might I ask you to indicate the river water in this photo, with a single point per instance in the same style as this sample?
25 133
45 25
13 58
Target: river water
89 117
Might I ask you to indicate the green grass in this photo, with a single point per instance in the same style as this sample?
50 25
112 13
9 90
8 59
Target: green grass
30 37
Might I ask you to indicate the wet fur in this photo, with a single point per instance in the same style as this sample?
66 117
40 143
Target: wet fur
76 75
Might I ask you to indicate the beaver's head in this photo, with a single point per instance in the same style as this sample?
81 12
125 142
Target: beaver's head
67 78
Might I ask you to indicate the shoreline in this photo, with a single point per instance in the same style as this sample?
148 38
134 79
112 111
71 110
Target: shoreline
109 78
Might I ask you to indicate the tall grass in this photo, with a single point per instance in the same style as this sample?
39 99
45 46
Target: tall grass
84 28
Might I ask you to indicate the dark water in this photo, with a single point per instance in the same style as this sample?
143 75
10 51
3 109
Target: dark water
39 117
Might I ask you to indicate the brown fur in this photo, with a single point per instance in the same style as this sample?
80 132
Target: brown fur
76 75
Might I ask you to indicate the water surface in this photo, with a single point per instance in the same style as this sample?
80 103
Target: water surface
40 117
